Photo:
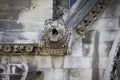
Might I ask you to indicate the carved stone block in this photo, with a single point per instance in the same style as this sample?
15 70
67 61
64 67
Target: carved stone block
13 71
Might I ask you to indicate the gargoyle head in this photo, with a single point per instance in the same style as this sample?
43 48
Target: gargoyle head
55 30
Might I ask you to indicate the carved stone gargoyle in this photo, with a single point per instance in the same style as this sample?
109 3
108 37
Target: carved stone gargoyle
56 38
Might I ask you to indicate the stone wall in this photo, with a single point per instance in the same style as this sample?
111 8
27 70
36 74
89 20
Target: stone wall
89 54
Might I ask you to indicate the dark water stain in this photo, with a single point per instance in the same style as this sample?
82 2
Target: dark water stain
10 25
10 9
8 31
33 72
15 4
88 37
87 41
11 14
112 10
67 74
95 61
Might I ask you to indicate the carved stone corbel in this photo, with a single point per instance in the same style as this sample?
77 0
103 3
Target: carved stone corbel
56 37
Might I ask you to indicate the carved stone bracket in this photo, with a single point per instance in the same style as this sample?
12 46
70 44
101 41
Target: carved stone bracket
17 49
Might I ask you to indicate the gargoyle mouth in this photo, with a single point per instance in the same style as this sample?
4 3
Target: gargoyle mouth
54 32
54 35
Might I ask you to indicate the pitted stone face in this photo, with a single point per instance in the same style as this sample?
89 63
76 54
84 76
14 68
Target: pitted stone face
55 30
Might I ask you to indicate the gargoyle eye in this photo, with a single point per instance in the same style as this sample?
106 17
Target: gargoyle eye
48 26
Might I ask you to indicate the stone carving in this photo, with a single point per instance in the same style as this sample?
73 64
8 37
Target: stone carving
56 36
13 71
91 17
60 12
16 49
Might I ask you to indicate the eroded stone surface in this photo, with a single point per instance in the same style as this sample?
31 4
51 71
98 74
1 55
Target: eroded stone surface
77 66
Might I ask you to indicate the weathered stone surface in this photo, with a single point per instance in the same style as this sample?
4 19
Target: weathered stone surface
88 50
11 9
11 14
48 74
79 65
101 72
57 62
89 37
39 12
16 3
104 49
9 25
115 1
77 62
18 37
105 24
103 61
80 74
31 26
43 61
107 36
113 10
54 74
67 74
77 47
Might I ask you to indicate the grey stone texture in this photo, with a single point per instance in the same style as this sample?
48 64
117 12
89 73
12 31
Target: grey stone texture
89 54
